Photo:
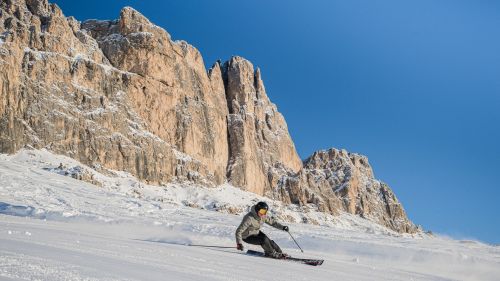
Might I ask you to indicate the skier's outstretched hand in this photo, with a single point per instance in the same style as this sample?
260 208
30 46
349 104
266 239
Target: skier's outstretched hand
285 228
239 247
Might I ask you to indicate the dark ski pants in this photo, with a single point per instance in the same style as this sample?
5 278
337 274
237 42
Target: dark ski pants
261 239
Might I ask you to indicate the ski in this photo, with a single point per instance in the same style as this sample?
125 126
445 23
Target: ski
312 262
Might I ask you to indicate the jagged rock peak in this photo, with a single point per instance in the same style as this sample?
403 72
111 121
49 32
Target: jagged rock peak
322 159
258 134
244 84
130 21
133 21
336 180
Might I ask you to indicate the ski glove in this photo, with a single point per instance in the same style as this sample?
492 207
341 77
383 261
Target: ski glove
239 246
285 228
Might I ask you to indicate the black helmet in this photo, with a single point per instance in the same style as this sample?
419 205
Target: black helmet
261 205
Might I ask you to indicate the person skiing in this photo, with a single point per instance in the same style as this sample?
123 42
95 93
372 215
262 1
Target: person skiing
249 231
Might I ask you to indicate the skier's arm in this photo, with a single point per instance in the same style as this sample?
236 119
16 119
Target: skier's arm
245 223
272 222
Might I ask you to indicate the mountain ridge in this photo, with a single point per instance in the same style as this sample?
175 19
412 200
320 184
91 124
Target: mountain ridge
121 95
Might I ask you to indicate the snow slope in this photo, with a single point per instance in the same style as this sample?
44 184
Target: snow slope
54 227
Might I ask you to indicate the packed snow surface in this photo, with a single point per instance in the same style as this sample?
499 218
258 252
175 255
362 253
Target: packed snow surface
55 227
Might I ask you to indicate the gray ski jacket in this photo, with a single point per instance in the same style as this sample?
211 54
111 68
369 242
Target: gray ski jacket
251 224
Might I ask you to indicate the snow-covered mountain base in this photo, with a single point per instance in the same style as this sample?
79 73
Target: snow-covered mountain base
54 227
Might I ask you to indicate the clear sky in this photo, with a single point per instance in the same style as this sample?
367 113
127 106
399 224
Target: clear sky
414 85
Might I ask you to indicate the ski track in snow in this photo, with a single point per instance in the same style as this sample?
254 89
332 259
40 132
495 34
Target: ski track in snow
53 227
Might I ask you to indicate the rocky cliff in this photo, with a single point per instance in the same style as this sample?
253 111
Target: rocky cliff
122 95
336 180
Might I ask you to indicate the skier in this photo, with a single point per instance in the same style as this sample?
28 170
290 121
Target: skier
249 231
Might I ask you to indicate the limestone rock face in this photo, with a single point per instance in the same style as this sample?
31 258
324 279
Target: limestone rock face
122 95
258 134
335 180
179 101
62 92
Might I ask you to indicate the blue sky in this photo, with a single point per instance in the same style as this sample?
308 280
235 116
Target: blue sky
414 85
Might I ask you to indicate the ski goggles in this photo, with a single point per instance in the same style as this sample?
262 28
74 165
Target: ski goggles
262 212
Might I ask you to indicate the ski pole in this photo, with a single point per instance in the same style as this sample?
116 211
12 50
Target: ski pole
211 246
295 242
